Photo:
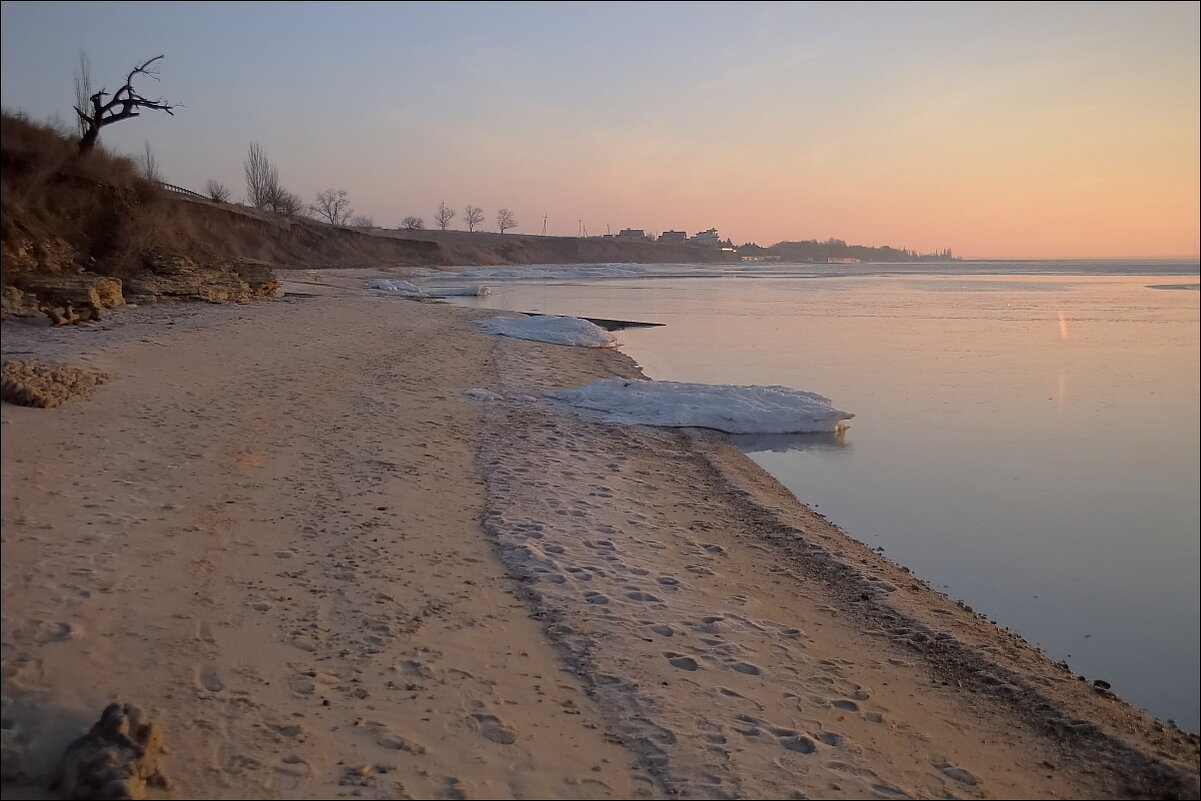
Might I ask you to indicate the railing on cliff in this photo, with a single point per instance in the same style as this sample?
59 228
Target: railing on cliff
181 190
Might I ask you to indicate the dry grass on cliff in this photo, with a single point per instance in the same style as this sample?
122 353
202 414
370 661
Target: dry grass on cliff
62 211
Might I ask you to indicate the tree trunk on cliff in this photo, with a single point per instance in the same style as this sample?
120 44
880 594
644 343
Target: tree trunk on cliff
88 140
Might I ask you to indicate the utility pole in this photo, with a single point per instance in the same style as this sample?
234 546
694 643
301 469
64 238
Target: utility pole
544 216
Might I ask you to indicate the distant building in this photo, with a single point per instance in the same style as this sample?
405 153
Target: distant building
673 237
631 235
708 239
833 260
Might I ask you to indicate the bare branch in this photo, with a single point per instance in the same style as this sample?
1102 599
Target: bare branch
217 191
444 215
148 165
333 206
473 216
125 99
262 178
83 89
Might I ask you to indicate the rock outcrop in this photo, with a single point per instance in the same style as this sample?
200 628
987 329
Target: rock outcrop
16 302
26 253
169 277
80 290
34 383
118 758
258 275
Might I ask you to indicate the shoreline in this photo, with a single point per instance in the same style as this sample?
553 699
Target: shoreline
437 627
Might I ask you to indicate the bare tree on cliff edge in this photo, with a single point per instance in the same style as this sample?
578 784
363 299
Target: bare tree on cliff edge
122 105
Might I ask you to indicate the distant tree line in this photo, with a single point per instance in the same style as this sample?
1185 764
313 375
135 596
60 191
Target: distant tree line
815 251
473 217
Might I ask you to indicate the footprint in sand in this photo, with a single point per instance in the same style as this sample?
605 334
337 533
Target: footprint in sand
492 728
207 678
680 661
958 774
387 738
56 632
745 667
595 598
798 743
830 738
846 704
204 632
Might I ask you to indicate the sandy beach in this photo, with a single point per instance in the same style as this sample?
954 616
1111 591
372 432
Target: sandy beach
338 544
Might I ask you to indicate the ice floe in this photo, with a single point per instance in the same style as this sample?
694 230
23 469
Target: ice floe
734 409
469 291
405 289
555 330
402 288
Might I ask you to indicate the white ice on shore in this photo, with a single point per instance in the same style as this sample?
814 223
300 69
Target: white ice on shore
733 409
469 291
402 288
554 330
406 289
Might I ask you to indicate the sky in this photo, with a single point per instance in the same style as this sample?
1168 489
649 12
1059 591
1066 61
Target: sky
999 130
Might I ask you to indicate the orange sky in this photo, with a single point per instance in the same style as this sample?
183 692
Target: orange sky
1000 130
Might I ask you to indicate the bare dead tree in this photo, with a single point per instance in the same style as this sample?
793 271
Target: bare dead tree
411 223
362 221
148 165
262 179
83 89
333 206
287 203
122 104
217 191
444 216
473 216
505 220
263 190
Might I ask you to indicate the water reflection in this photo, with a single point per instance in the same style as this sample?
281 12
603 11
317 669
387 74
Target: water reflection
783 443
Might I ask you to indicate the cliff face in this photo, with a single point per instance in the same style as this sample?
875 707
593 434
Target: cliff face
237 231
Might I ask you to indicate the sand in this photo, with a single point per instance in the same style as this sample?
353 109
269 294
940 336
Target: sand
294 535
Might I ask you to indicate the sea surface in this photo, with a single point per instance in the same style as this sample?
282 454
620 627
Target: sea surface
1026 434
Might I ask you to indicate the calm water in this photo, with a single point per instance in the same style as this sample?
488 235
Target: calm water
1027 440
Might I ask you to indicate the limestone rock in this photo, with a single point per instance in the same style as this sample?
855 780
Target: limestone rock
118 758
24 253
34 383
81 290
175 277
17 303
258 275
